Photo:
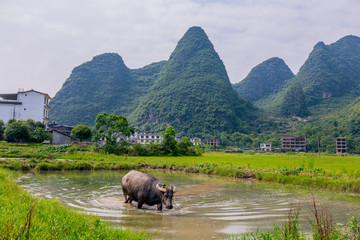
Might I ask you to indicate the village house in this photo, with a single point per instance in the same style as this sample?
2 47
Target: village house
145 138
60 134
212 141
265 147
178 138
341 146
25 105
196 141
132 139
291 143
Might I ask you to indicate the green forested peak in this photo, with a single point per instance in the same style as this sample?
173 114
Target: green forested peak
319 45
193 93
193 41
331 70
269 77
104 84
103 63
349 40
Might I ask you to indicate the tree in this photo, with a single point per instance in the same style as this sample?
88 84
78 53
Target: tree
328 144
184 145
17 131
110 127
169 142
81 132
38 131
294 103
2 129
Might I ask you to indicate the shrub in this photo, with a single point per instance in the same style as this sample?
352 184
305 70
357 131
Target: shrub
82 165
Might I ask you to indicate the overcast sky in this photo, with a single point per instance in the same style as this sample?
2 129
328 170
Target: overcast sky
41 41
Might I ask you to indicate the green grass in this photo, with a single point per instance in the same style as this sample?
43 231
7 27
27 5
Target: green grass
333 163
49 219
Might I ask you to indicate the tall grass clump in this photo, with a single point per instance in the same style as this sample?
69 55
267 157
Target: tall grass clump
323 228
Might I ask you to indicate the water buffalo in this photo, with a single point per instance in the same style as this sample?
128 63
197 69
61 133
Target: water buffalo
144 188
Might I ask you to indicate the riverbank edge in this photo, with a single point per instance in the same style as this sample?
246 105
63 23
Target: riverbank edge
290 177
24 216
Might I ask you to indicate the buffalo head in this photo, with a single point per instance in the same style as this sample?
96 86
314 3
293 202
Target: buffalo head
166 194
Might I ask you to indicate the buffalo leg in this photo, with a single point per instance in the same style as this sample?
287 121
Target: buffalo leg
159 206
126 198
140 203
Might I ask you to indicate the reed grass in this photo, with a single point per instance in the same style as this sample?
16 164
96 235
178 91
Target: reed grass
323 228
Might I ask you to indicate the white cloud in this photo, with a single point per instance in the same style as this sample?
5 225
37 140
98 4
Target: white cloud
42 40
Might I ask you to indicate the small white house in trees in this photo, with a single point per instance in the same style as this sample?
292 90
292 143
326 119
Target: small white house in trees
265 147
196 141
25 105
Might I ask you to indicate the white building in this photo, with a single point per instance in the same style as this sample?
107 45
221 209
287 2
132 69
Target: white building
134 138
265 147
25 105
196 141
145 138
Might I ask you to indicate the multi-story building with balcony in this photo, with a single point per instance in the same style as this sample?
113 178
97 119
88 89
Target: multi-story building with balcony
212 141
144 138
291 143
25 105
341 146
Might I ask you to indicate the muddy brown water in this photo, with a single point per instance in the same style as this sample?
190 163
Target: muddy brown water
204 207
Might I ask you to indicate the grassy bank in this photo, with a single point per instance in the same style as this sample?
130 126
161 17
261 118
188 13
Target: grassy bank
23 216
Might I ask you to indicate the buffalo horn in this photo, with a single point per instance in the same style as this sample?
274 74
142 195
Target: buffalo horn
160 188
173 188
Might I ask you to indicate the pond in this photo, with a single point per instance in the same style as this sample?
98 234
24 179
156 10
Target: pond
205 207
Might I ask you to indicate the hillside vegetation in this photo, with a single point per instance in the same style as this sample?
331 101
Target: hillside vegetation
192 92
104 84
329 77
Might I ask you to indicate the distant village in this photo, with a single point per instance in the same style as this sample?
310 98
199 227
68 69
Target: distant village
32 104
